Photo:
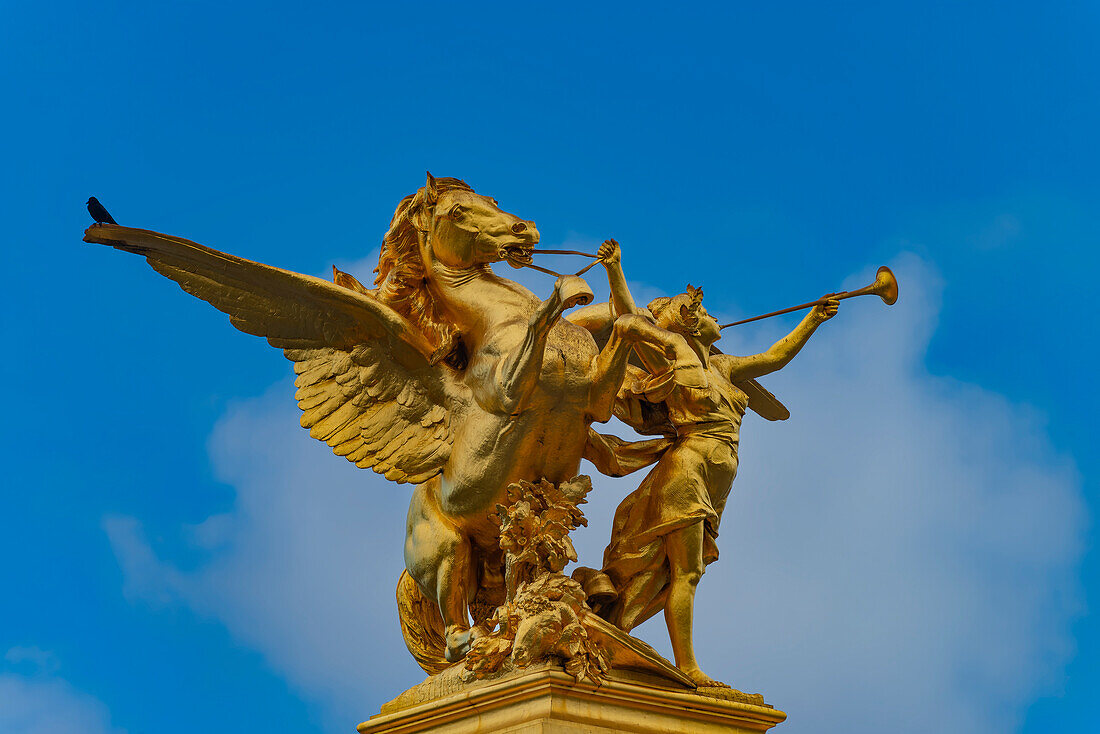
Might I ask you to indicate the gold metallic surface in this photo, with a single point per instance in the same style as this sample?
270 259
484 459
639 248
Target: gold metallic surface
482 395
664 533
444 375
544 700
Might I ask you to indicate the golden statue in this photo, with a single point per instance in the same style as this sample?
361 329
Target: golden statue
664 533
444 375
465 384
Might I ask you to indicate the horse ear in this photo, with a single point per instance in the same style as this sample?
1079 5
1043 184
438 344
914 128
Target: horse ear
430 191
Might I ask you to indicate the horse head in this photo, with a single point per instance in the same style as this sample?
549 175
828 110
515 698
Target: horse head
464 229
444 222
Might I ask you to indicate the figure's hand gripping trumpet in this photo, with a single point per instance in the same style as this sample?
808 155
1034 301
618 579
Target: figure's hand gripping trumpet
885 287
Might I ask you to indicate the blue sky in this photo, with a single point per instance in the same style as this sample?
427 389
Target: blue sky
154 577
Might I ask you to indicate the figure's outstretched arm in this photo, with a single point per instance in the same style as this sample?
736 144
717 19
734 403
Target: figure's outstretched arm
783 351
662 350
611 255
598 318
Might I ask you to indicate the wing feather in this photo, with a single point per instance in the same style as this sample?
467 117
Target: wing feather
364 380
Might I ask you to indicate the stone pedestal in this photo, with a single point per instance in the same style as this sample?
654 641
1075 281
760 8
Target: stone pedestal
546 700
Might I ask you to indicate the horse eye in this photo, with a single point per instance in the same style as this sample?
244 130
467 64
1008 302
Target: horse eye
456 211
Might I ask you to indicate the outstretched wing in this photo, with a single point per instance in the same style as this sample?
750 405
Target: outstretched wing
763 402
365 384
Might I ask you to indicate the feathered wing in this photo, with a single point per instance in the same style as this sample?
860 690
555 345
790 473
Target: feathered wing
365 384
763 402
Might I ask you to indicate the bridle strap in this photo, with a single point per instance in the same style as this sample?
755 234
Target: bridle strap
548 271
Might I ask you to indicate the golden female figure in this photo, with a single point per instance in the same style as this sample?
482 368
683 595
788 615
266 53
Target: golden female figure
664 532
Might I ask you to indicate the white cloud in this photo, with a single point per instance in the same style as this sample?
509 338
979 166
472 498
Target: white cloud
900 555
41 703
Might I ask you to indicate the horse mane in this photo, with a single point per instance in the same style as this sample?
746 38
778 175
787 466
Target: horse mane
402 280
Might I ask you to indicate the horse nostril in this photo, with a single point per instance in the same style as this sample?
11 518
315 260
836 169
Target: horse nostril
519 228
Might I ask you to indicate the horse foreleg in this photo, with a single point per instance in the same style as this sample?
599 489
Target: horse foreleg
439 557
517 375
611 363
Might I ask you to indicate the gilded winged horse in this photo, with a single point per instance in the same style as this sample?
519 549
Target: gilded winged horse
444 375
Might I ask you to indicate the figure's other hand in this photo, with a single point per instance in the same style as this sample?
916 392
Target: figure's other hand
610 253
825 311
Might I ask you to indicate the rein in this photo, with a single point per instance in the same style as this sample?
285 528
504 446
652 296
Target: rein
548 271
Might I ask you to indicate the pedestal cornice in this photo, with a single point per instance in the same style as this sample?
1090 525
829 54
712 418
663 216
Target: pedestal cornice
549 701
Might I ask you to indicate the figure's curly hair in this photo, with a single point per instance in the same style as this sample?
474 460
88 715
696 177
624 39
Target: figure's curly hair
402 281
686 313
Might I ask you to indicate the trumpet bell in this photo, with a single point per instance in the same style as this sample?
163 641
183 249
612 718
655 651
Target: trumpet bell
885 286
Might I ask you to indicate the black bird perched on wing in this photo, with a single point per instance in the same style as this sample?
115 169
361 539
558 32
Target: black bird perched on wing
99 213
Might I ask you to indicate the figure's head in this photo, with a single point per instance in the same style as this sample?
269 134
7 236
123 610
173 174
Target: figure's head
464 228
684 314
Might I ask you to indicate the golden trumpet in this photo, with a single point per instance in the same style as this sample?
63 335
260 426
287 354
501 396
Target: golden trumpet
885 287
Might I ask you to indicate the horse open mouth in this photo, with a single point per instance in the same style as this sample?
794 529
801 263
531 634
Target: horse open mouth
517 254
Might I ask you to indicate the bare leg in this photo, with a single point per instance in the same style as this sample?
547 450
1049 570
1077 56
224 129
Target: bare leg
685 557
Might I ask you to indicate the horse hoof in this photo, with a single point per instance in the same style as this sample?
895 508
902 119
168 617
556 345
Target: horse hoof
459 642
573 291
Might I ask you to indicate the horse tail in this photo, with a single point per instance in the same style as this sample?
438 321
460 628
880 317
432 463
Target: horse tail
421 625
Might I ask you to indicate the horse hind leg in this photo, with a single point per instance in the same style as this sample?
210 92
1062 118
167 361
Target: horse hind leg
439 557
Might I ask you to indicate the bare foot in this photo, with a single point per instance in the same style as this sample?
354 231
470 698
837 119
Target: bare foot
703 680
